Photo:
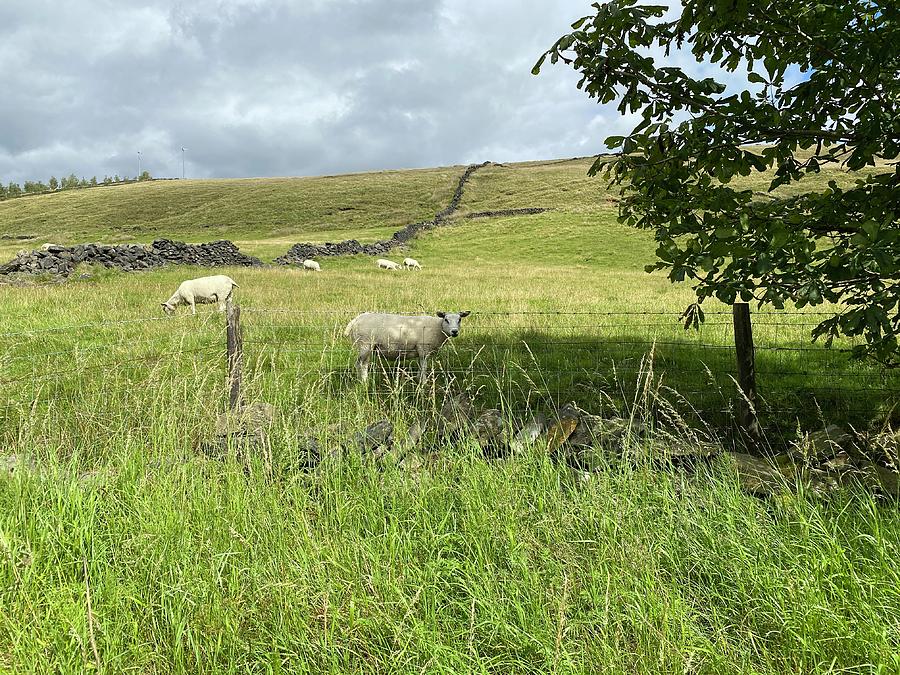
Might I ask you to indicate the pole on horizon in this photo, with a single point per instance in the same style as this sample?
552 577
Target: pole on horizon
139 165
182 162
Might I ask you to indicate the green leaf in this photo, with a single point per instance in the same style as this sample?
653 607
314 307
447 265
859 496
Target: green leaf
871 227
780 237
725 232
859 239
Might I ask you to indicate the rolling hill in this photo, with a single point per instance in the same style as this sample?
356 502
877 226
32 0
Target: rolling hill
266 215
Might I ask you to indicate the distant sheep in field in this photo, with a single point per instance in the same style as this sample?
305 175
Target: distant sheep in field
387 264
205 290
311 265
398 336
411 264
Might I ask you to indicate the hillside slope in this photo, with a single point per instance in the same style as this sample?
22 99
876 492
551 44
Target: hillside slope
277 211
265 216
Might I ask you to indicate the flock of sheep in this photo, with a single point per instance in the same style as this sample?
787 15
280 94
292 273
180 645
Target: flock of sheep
383 263
393 336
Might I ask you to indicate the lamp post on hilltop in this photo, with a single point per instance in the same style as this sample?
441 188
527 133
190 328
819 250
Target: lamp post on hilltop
139 165
182 162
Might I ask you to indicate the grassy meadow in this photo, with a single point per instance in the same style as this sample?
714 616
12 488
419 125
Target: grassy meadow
127 546
265 215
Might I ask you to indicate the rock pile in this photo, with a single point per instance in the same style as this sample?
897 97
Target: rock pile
821 461
220 253
300 252
304 251
827 460
61 260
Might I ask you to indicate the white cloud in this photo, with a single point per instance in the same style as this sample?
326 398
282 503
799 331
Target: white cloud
279 87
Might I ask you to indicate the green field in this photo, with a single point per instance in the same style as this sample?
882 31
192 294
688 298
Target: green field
200 564
265 216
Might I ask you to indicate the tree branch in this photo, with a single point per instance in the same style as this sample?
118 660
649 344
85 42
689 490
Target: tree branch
661 92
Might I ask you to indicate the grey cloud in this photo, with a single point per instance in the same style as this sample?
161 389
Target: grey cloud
279 87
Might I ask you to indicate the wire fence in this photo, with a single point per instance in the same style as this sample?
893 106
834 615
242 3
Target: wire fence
517 359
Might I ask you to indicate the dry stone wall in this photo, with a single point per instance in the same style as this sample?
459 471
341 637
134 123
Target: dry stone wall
507 212
300 252
61 260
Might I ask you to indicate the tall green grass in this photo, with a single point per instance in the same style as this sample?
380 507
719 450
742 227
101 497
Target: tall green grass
200 560
468 566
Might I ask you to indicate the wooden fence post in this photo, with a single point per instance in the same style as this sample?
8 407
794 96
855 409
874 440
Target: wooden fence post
746 374
235 345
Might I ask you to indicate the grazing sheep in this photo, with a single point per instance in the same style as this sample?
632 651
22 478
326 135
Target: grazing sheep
204 290
400 335
411 264
387 264
311 265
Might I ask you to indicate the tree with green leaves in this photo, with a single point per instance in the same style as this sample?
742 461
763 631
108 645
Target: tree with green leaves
823 88
34 187
54 184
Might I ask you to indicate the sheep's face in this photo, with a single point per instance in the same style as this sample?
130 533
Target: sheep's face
168 309
451 321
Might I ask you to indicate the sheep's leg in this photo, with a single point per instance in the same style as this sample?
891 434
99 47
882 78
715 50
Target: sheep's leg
189 299
424 368
362 363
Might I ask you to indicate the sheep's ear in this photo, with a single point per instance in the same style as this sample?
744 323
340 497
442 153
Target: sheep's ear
463 315
442 314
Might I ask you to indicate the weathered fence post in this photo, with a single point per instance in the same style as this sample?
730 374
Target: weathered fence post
746 374
235 345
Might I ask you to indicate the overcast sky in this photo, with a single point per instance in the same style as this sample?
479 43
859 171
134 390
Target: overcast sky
286 87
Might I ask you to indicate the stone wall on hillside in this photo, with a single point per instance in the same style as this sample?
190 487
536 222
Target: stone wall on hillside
304 251
61 260
507 212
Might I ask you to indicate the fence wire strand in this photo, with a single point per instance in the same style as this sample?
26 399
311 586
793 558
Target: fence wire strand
787 364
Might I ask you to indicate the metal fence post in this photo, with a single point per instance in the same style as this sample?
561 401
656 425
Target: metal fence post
746 374
235 347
